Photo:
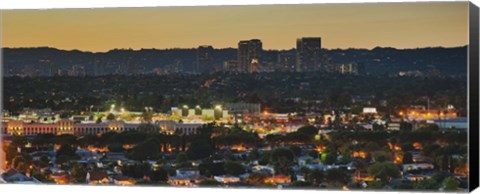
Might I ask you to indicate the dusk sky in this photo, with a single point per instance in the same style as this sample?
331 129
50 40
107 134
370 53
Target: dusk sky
400 25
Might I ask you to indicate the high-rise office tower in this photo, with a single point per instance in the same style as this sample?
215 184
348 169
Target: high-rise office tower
204 62
308 54
242 55
248 55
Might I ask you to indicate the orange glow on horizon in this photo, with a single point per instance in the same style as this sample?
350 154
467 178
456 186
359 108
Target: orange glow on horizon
379 24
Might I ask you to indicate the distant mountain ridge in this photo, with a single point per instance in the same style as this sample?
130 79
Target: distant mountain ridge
45 61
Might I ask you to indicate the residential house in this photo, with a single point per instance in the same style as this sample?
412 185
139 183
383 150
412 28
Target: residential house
97 177
13 176
186 177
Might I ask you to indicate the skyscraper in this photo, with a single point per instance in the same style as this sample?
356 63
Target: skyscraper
248 55
204 62
308 54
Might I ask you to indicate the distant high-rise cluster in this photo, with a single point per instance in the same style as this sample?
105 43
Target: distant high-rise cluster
204 62
248 55
350 68
249 58
308 54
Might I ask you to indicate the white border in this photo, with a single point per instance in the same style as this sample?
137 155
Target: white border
52 4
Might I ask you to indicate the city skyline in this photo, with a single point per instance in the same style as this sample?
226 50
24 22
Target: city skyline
435 24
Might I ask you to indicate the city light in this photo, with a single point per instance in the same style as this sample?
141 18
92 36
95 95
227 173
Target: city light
307 116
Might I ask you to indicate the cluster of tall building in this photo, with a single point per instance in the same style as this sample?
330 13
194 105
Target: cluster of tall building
204 61
308 54
249 57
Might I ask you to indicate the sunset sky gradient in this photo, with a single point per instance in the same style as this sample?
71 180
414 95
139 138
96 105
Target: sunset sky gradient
399 25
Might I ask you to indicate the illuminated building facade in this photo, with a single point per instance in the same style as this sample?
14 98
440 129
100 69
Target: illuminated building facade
248 55
18 127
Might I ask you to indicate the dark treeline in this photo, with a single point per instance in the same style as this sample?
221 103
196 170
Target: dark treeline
276 91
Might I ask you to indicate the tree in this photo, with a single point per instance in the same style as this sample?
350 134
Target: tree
315 176
331 158
377 127
200 149
42 177
381 156
147 116
281 153
297 151
336 175
209 182
313 153
115 147
450 184
308 130
282 159
66 139
371 147
17 160
431 150
43 161
78 173
253 155
406 126
99 120
385 171
149 149
21 167
209 168
407 158
10 152
301 184
111 117
407 147
405 186
234 168
264 158
374 185
88 140
159 175
18 141
346 157
63 159
66 150
427 184
181 159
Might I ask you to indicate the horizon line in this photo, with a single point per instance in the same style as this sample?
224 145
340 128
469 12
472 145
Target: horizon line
194 48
